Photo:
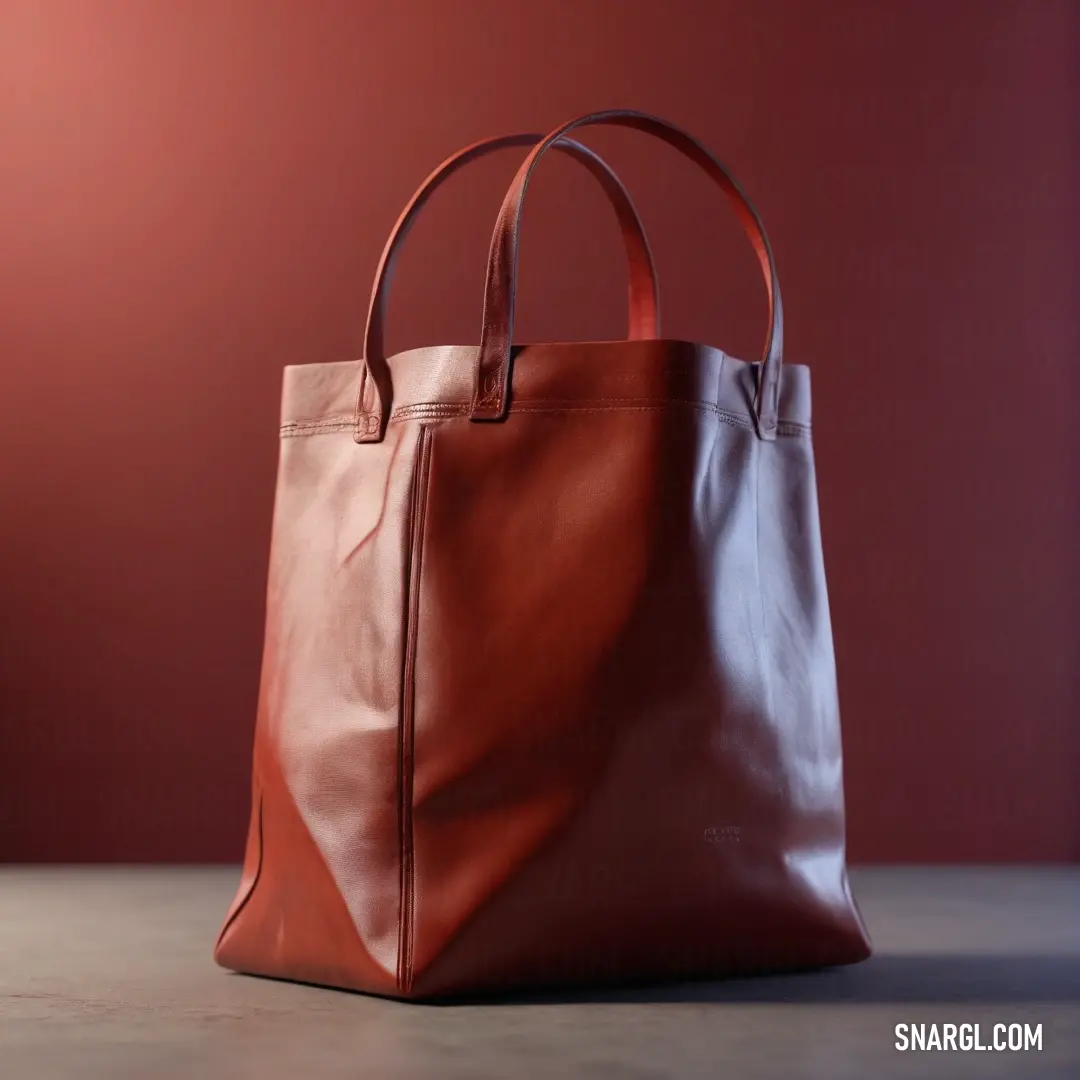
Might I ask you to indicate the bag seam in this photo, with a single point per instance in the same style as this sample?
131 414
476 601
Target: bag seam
418 519
766 649
292 429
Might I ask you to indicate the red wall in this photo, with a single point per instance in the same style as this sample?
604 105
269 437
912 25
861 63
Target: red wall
194 195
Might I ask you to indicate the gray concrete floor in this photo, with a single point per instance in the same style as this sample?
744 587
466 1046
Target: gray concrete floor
107 973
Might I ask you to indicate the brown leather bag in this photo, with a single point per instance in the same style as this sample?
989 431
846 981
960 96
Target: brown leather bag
548 690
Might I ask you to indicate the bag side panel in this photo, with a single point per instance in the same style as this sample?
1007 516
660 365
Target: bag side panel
326 906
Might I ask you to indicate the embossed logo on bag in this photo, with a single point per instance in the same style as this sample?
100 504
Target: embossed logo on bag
723 834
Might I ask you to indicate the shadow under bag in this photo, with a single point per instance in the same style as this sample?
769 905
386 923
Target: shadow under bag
548 691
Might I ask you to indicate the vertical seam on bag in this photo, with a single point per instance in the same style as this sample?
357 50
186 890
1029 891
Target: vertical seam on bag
766 656
418 515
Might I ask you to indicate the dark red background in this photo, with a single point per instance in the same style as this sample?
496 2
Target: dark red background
193 195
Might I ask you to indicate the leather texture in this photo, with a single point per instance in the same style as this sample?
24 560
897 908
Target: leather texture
547 699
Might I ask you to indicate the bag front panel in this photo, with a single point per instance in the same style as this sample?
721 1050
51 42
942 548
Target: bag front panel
614 772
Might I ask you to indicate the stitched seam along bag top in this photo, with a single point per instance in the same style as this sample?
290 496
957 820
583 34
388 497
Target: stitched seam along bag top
548 691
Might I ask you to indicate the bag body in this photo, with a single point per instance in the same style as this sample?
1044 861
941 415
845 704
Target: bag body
548 690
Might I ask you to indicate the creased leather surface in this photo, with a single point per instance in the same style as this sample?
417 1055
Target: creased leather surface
627 756
647 778
331 689
290 919
551 699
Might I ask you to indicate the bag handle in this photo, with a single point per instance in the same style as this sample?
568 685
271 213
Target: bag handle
490 393
375 397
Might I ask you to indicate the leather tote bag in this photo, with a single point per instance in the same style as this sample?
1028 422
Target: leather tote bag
548 691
